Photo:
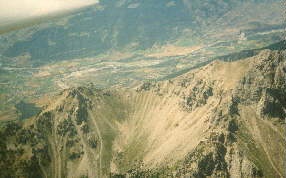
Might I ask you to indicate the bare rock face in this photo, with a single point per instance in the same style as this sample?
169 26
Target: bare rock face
264 84
222 120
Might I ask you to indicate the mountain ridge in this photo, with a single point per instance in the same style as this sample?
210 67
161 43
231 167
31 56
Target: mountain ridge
209 122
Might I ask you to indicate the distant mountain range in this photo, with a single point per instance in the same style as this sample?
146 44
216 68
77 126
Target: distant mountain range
138 25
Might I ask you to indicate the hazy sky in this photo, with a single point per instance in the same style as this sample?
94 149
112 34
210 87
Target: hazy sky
14 10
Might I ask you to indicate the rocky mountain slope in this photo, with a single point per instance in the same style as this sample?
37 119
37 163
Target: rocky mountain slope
225 119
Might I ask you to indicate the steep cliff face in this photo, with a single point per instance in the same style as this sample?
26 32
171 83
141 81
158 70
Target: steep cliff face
222 120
